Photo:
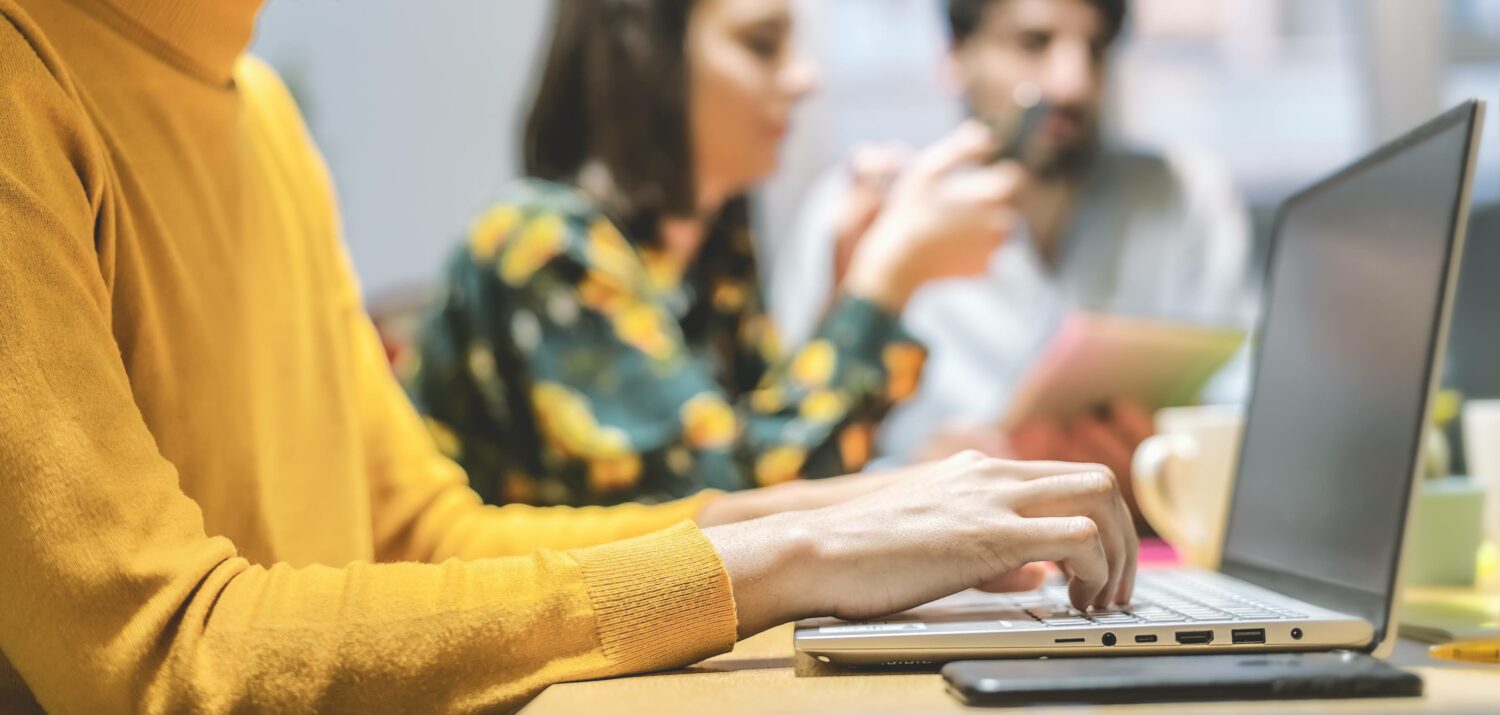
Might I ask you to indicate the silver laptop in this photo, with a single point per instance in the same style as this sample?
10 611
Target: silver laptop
1363 266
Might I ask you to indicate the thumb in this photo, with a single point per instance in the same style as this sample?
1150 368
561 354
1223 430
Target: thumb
970 142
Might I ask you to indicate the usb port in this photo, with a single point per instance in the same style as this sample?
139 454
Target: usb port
1249 635
1148 638
1195 637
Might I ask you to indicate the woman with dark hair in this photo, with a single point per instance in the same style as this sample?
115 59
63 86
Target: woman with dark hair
602 337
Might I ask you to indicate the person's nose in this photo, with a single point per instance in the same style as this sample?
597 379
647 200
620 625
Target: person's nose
1071 73
799 78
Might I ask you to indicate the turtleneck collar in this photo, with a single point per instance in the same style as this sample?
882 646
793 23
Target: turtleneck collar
205 36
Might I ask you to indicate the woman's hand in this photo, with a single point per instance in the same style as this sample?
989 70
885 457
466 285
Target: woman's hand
970 521
873 168
944 217
798 495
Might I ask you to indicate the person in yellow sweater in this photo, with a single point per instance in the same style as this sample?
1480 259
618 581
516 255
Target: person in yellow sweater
214 496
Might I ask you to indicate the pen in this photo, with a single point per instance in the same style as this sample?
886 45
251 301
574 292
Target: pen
1469 652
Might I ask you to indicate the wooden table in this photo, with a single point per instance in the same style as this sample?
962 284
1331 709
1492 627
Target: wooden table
759 677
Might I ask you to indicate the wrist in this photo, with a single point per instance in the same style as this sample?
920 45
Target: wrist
880 271
771 562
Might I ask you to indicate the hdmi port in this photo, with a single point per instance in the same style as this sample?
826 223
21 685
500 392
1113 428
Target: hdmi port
1195 637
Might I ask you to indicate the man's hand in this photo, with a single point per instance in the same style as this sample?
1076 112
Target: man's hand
1109 435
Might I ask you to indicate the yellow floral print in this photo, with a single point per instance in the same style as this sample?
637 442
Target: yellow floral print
781 464
697 386
566 420
520 488
854 445
490 229
540 241
608 251
600 293
614 473
663 272
679 462
641 325
482 364
813 367
759 333
767 400
610 442
903 364
708 422
729 296
822 406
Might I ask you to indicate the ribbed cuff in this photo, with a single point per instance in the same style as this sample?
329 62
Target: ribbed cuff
660 601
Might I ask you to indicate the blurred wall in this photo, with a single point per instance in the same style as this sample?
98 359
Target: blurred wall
418 105
417 108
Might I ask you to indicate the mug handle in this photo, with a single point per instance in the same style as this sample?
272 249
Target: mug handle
1149 481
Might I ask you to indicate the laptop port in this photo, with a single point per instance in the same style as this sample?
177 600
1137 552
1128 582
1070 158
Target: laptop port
1249 635
1148 638
1195 637
1067 640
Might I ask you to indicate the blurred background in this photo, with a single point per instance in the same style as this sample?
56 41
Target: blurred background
418 108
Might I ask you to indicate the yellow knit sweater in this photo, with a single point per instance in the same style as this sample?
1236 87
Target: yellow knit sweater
212 494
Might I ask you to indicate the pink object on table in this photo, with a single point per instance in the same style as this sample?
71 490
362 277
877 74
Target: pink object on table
1157 553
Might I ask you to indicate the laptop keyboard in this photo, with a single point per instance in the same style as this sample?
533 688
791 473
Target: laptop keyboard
1167 599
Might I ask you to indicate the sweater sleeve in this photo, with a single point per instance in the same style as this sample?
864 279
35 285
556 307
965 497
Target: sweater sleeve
114 595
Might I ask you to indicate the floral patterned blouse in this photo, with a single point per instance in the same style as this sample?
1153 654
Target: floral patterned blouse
565 364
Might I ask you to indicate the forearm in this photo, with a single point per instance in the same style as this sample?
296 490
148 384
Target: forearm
800 495
880 271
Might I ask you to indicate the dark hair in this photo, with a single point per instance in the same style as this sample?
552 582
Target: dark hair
965 16
614 91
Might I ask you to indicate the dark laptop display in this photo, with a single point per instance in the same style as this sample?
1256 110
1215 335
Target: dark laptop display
1358 294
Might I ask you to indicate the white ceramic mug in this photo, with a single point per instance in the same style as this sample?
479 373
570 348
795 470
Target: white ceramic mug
1182 478
1481 425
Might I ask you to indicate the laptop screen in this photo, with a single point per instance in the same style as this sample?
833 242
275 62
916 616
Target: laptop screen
1356 297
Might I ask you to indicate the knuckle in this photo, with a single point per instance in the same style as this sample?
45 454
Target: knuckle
1082 530
1100 483
1104 472
970 456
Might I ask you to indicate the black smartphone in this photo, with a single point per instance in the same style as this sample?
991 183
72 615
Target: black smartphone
1181 678
1017 134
